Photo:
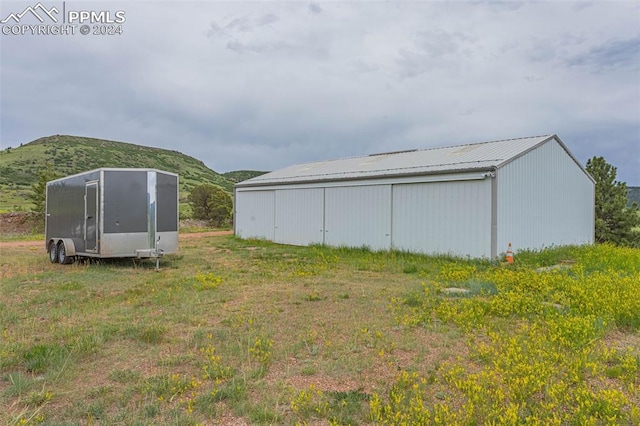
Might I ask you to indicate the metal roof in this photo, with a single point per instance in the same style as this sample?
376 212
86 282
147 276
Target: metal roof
452 159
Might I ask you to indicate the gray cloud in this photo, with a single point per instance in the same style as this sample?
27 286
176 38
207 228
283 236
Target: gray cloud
435 49
315 8
264 85
611 55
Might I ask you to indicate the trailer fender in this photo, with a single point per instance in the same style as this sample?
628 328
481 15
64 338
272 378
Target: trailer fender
69 246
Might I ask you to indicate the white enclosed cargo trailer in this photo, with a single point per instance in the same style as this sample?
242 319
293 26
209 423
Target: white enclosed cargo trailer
112 212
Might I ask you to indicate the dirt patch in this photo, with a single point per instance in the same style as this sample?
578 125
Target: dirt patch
194 223
20 223
204 234
7 244
324 383
623 341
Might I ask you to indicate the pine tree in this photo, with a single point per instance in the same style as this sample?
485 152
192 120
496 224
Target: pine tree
38 194
615 221
211 203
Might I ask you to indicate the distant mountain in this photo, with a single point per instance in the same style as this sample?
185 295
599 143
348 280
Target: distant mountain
242 175
633 195
19 166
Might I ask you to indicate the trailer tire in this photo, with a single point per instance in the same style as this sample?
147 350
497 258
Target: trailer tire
62 254
53 251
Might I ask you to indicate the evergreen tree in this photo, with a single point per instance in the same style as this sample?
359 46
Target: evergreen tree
615 221
211 203
38 194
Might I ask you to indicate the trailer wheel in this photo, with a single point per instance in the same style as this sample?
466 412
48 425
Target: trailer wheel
53 252
62 254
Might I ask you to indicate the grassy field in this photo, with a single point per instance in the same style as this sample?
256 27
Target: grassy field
232 332
14 198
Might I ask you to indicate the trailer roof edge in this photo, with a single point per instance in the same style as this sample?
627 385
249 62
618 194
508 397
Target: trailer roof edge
114 169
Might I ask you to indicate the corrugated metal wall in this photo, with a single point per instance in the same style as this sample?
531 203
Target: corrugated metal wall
358 216
299 216
443 217
255 214
431 217
544 199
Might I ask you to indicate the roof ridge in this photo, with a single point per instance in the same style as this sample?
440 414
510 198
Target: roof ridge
411 150
484 143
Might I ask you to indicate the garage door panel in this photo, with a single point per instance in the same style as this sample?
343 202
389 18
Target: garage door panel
443 217
299 216
358 216
255 214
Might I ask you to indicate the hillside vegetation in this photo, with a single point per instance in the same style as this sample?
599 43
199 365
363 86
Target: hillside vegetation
69 155
241 175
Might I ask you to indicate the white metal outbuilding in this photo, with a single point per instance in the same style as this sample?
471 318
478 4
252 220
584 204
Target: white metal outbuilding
470 200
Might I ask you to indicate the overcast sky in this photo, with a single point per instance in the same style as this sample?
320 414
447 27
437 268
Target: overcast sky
263 85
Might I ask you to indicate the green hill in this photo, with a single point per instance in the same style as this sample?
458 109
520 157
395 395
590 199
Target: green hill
241 175
19 166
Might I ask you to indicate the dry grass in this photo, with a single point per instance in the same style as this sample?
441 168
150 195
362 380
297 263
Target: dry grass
327 321
228 331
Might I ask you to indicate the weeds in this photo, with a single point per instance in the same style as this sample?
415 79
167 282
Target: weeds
42 357
309 402
212 366
208 281
260 350
269 334
546 368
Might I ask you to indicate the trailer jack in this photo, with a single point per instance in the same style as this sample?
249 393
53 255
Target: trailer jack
150 253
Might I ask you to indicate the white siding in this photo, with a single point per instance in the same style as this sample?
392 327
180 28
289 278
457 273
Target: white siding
544 199
443 217
358 216
255 214
299 216
539 197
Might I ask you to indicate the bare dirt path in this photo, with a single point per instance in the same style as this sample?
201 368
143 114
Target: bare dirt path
7 244
204 234
40 243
